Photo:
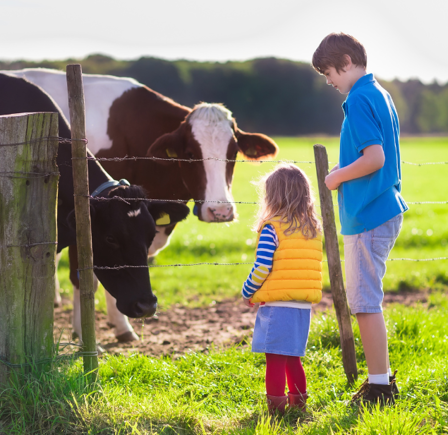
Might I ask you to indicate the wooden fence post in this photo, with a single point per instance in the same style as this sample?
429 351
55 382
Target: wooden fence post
82 216
28 193
334 267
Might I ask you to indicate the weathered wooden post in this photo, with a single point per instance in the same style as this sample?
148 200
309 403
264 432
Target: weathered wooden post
334 267
82 216
28 193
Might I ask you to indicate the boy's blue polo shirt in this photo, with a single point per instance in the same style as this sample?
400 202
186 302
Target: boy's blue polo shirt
370 118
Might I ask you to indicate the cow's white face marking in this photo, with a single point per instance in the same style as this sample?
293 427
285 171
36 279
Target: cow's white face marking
134 213
211 125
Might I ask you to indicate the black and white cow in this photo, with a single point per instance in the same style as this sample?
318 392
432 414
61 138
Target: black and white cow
126 118
122 231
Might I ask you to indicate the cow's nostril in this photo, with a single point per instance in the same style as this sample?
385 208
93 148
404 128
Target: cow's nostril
220 215
145 309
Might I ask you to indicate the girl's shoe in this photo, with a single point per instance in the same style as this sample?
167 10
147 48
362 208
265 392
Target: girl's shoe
297 401
276 403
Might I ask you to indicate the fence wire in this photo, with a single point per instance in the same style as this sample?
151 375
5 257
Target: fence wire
229 264
61 357
135 158
202 201
119 159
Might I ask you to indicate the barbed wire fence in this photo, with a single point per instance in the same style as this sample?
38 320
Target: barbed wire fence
268 161
61 140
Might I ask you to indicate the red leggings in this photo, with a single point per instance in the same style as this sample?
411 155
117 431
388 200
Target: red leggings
282 367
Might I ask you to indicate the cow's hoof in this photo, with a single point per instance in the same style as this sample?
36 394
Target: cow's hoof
127 336
74 335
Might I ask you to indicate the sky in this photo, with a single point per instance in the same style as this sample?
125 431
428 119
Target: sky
403 39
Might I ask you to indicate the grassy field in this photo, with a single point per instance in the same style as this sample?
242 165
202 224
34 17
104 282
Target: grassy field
221 391
424 234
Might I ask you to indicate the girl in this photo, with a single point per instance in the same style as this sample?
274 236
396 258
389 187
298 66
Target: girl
286 279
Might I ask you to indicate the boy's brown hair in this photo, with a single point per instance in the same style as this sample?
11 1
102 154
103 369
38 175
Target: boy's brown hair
332 51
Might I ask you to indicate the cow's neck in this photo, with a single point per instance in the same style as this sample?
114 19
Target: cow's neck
161 181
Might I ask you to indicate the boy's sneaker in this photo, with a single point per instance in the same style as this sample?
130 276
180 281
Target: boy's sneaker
393 382
374 393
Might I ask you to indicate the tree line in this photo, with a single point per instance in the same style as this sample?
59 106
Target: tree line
274 96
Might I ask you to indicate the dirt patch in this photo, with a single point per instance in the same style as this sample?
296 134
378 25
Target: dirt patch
179 329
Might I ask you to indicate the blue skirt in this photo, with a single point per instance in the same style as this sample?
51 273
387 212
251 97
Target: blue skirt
281 330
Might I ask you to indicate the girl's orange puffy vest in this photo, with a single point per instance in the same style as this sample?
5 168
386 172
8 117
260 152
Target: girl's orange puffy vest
297 269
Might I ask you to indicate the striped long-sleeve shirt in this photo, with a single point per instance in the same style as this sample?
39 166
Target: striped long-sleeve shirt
267 245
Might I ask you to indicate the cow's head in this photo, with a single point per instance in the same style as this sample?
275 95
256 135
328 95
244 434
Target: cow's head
209 132
122 232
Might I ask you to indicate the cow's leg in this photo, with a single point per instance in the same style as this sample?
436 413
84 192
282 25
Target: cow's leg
123 329
57 295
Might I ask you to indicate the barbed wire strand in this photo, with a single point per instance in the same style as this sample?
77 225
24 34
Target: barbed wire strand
46 138
228 264
28 174
109 159
135 158
202 201
74 355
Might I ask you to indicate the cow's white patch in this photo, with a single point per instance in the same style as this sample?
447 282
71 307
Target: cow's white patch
211 125
100 91
161 241
134 213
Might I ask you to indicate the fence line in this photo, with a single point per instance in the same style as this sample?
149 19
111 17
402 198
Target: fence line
232 264
135 158
202 201
68 140
119 159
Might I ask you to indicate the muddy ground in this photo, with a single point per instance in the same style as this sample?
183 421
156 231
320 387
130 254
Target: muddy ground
179 329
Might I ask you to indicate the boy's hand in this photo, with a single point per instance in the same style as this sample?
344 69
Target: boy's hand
335 168
247 302
332 179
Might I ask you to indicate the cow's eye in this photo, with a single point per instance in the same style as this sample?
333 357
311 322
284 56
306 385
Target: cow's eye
189 155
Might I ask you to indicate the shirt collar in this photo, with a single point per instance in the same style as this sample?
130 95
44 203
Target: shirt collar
364 80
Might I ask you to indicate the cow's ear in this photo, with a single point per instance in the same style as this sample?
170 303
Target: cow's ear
167 146
255 146
71 218
166 212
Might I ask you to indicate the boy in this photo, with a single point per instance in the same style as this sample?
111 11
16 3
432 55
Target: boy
368 179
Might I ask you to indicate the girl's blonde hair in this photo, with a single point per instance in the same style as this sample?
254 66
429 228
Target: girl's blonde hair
287 194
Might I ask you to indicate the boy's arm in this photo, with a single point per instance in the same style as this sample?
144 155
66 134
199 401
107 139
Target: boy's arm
371 160
263 263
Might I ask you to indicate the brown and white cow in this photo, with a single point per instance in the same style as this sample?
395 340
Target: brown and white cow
126 118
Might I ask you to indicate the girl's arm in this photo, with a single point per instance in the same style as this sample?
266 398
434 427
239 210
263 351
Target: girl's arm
267 245
371 160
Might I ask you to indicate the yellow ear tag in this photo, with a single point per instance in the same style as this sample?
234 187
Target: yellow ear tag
164 219
171 153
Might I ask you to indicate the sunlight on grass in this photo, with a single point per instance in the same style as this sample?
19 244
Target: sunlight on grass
221 391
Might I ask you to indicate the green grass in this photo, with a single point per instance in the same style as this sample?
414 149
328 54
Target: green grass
222 391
